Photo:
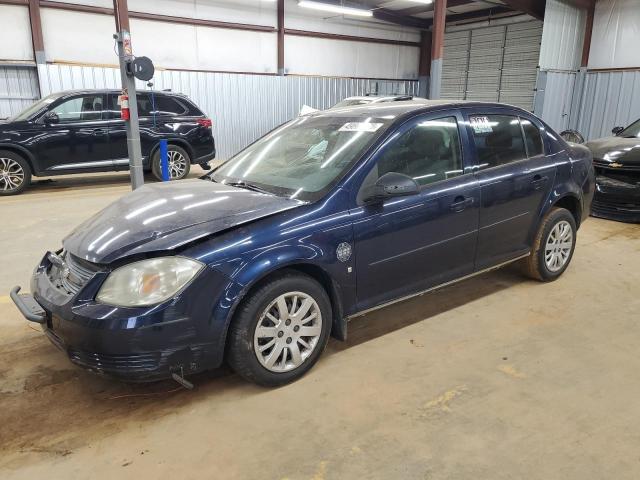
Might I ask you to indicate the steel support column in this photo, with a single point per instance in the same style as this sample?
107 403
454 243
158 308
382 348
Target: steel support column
437 47
424 68
125 54
280 37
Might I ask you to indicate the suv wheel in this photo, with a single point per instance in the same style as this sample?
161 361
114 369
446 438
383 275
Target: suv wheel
15 173
553 246
280 330
179 163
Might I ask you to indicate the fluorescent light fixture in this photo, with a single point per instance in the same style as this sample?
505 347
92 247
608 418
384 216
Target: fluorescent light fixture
424 2
328 7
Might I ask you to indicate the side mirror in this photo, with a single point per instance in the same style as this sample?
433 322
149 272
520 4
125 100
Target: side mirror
51 117
617 130
389 185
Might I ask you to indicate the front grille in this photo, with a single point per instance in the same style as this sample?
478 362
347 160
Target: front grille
72 273
625 174
137 363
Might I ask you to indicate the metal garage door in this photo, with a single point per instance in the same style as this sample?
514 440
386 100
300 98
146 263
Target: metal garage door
492 63
18 88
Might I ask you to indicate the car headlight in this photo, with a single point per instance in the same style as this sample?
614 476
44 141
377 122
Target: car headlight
148 282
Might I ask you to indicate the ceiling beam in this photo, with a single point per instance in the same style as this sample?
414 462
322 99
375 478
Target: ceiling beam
535 8
392 16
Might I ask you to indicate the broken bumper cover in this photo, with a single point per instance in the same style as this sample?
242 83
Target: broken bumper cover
132 344
616 199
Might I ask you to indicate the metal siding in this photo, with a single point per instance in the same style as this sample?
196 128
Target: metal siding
562 36
557 99
609 99
243 107
492 63
18 89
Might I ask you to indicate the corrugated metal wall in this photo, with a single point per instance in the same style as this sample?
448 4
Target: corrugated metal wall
243 107
558 95
562 36
609 99
18 89
492 64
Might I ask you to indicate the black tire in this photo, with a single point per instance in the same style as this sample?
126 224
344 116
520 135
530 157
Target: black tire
241 355
156 168
535 265
11 162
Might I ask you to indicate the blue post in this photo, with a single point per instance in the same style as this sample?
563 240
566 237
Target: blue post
164 160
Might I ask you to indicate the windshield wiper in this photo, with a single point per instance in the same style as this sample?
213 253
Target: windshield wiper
248 186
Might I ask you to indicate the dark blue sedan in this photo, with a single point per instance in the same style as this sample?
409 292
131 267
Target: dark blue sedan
327 217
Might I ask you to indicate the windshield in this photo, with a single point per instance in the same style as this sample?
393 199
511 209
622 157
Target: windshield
41 104
304 158
632 131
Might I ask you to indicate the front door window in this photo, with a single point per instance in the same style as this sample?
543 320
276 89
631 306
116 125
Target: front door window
79 109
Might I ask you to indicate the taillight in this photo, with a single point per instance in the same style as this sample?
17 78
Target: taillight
205 122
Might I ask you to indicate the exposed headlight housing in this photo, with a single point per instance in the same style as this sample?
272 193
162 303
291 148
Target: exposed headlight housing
148 282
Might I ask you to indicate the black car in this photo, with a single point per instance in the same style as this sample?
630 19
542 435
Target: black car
81 132
617 163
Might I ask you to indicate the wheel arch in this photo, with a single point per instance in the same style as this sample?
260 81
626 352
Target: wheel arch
572 203
173 141
23 152
338 321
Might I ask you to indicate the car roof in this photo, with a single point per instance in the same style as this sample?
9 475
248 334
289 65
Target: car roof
400 108
66 93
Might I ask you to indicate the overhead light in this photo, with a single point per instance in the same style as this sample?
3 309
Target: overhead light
424 2
328 7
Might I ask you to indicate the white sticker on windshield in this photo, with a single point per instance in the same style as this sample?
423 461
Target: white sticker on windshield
481 125
360 127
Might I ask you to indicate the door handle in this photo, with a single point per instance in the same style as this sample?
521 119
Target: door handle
99 132
460 203
539 181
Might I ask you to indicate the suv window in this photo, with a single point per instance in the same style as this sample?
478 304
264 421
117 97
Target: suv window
78 109
168 106
532 137
498 139
428 152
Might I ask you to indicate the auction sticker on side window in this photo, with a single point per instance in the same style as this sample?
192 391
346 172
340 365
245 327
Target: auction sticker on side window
360 127
480 125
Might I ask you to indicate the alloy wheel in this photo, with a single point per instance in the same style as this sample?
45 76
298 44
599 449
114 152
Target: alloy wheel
11 174
558 246
287 332
177 165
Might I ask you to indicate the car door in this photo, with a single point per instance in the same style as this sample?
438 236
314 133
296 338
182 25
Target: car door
74 135
515 178
407 244
118 131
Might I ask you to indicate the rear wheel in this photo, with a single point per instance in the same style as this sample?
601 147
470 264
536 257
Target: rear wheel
553 246
15 173
179 163
280 330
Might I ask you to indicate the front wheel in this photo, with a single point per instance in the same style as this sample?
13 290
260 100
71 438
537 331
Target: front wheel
15 173
280 330
178 160
553 246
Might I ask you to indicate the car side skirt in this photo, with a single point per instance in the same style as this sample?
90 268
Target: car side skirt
436 287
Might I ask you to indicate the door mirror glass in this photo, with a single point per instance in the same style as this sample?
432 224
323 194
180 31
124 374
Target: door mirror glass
389 185
51 118
617 130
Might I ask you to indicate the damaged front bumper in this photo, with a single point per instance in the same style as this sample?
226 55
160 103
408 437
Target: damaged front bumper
133 344
617 195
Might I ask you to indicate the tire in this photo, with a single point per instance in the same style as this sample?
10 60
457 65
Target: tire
179 163
245 340
553 233
15 173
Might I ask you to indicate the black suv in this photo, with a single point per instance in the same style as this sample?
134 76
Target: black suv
81 131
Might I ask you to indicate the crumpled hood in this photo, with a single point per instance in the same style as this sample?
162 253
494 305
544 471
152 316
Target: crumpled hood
621 150
165 216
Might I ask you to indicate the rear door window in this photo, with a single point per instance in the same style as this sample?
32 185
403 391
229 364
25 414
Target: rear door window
498 139
532 138
165 105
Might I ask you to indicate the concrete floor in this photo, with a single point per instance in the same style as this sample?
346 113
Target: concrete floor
497 377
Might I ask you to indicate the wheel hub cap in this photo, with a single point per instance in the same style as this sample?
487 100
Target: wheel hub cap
558 246
11 174
287 332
